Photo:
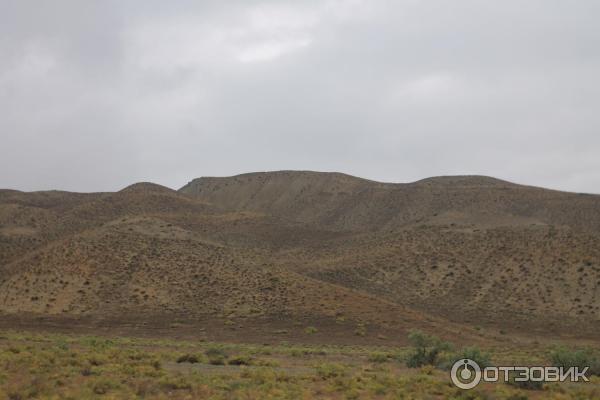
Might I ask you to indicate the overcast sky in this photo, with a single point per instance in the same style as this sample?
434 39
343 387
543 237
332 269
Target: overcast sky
96 95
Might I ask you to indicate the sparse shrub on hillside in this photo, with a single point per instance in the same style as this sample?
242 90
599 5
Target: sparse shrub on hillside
426 349
361 330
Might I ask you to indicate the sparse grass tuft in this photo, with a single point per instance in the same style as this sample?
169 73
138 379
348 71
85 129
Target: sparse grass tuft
378 357
330 370
310 330
361 330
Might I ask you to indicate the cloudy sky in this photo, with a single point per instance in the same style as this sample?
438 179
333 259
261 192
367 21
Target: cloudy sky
97 95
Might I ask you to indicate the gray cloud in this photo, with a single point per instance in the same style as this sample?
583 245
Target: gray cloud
97 95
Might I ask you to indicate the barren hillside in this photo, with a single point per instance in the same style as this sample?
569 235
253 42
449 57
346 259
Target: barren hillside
294 248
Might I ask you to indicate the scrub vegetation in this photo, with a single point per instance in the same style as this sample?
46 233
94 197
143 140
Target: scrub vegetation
56 366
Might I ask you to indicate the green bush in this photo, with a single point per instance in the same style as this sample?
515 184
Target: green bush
567 358
426 349
475 354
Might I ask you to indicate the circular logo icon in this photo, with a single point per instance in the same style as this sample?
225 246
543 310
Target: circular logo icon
465 373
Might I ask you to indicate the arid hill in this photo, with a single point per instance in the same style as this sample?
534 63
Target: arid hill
342 202
283 250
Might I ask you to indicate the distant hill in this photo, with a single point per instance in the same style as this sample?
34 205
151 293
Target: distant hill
341 201
444 254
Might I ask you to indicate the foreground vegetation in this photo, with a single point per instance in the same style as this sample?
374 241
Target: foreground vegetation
52 366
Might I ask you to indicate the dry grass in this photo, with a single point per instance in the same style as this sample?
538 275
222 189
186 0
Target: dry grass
49 366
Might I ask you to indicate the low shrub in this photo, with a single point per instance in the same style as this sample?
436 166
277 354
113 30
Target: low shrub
216 356
188 358
581 358
330 370
241 360
174 383
104 385
426 349
361 330
379 357
472 353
